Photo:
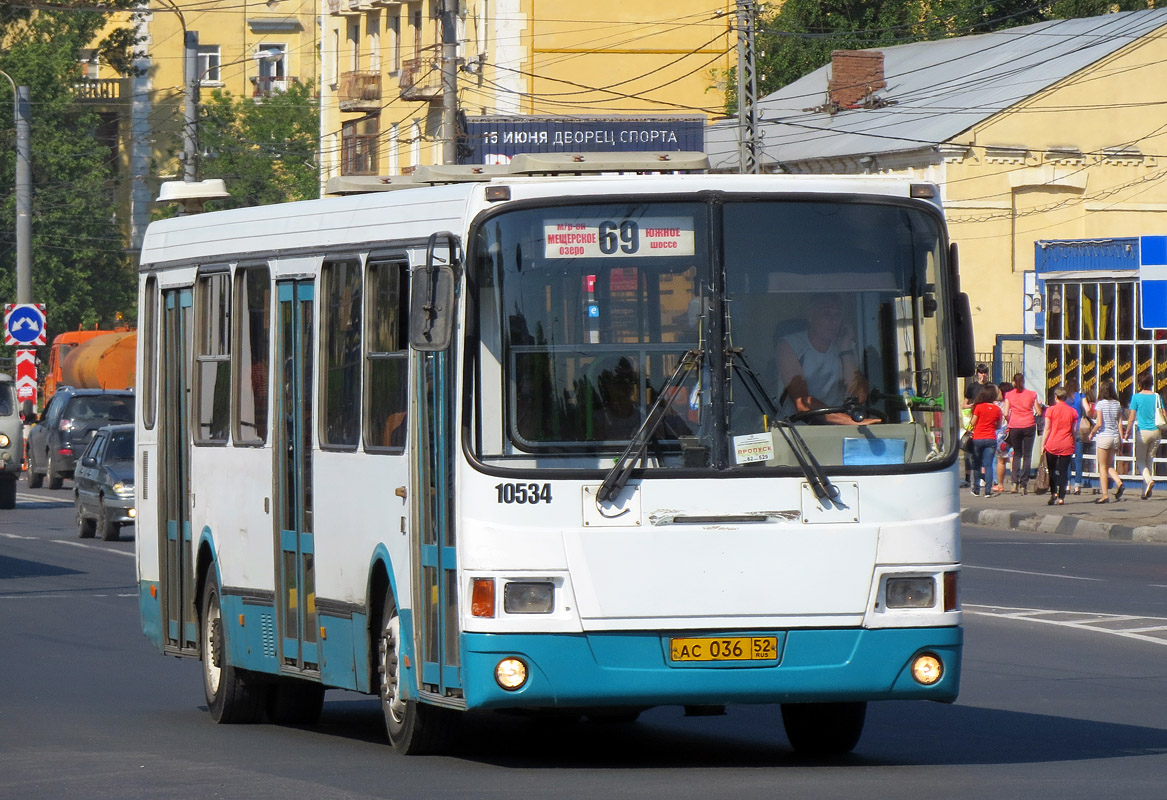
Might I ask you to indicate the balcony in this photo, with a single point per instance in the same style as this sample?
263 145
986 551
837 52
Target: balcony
421 77
360 90
99 90
267 85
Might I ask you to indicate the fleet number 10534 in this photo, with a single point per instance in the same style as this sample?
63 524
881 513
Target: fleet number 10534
532 493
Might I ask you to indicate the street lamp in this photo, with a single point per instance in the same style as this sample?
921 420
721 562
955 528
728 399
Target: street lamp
21 114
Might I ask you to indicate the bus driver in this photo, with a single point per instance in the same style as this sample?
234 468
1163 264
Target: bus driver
818 367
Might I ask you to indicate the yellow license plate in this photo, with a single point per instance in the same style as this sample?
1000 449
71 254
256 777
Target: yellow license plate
725 648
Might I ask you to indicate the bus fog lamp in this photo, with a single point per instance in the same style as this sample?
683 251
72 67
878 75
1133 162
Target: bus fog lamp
910 592
511 674
528 598
927 669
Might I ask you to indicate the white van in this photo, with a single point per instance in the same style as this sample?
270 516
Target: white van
11 441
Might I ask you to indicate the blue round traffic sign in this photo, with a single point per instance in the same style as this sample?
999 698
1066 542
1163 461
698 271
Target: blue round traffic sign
26 324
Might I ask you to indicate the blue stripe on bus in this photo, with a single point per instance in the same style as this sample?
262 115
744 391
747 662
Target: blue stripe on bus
623 668
150 611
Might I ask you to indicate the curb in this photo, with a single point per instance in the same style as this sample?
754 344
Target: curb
1063 525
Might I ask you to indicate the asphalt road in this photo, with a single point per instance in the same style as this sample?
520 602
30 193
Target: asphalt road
1064 695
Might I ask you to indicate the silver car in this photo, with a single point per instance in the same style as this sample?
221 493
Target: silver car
11 442
103 483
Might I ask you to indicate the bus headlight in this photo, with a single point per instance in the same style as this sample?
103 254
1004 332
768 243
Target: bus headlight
910 592
927 669
528 598
4 440
511 674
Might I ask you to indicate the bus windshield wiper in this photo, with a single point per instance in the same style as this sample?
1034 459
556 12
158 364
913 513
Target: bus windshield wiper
618 476
820 484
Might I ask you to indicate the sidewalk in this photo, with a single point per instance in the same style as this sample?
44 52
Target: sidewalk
1130 519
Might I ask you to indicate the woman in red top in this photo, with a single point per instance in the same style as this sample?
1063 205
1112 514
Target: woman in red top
986 418
1057 442
1021 411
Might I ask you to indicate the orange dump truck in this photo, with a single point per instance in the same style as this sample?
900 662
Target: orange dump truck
92 360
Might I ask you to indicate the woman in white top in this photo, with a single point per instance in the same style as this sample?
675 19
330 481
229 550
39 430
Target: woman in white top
1107 438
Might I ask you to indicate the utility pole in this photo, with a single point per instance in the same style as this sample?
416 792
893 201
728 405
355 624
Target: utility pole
22 114
747 89
449 82
190 111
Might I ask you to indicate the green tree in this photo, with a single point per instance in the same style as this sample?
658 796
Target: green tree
81 269
265 150
798 38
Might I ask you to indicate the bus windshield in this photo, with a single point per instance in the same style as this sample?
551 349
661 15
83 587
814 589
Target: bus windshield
825 314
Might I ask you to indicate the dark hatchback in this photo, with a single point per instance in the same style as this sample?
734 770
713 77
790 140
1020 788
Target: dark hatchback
63 432
103 483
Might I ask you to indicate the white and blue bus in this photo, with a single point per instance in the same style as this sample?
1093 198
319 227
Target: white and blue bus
509 438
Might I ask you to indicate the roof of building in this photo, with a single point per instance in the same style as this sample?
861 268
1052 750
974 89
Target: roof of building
935 90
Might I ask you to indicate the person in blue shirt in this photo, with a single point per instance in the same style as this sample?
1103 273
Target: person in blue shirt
1146 443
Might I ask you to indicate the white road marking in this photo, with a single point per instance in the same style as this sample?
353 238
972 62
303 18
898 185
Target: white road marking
40 498
1081 620
1040 574
92 547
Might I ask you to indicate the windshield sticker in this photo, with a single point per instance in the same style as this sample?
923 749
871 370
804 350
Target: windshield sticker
619 238
753 447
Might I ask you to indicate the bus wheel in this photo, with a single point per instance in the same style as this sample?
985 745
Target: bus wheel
295 702
414 728
823 729
231 698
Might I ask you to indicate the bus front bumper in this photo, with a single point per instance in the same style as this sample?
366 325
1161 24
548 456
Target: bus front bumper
636 669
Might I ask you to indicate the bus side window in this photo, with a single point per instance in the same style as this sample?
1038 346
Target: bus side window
341 374
252 353
386 362
213 300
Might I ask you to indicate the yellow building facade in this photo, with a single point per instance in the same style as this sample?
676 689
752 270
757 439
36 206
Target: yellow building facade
381 61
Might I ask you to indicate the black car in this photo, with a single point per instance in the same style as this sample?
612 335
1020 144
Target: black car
64 430
103 483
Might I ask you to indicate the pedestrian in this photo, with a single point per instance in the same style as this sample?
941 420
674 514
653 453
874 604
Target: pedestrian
972 391
1057 444
1107 437
1004 451
986 415
1141 415
1022 409
1077 400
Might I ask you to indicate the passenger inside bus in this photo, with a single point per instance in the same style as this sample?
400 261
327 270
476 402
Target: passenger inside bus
818 368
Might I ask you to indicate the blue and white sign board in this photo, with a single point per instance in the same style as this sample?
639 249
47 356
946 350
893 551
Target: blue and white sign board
24 324
1153 281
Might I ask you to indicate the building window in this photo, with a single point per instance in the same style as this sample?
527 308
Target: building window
354 43
213 357
273 69
358 147
1093 333
90 68
252 352
386 362
393 28
340 377
208 64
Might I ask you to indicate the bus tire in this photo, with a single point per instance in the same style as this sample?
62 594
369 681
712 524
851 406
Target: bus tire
823 729
231 696
414 728
295 702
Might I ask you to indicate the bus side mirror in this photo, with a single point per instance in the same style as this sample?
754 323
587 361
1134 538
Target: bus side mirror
432 298
962 327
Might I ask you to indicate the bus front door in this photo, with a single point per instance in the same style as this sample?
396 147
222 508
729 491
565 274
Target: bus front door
437 625
293 476
178 590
